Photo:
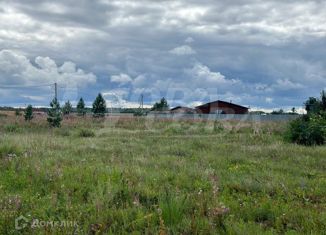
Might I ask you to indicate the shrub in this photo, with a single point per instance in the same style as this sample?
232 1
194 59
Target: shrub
139 113
86 133
307 130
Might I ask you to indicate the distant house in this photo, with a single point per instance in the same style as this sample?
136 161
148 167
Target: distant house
221 107
180 109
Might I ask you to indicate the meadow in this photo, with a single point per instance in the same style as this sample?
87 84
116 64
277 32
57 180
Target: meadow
140 176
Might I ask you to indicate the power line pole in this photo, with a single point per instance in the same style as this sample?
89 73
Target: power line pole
141 102
56 91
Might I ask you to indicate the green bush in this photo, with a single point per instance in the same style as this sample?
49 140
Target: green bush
86 133
307 130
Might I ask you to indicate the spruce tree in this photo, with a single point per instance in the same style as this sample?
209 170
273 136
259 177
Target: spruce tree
54 114
81 111
67 108
99 106
28 113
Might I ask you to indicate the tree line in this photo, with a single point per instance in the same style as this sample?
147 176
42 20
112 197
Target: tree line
55 112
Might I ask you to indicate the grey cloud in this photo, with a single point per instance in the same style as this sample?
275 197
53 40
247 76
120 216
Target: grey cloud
262 45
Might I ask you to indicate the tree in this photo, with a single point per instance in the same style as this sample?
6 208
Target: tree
309 129
28 113
294 111
323 100
81 111
67 108
99 106
312 105
161 106
54 114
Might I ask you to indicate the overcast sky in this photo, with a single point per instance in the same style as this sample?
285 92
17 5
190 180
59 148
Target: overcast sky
259 53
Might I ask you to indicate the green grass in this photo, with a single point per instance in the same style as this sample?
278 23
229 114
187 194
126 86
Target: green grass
137 176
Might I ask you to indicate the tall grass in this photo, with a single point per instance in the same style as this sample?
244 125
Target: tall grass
168 177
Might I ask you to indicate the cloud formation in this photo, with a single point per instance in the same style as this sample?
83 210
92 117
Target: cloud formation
121 79
259 53
183 50
17 69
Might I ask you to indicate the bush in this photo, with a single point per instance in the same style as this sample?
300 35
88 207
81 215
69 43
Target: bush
86 133
307 130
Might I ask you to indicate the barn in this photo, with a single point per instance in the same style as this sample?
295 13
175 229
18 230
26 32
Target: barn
221 107
180 109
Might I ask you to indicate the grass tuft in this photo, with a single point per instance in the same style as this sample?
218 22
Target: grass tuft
86 133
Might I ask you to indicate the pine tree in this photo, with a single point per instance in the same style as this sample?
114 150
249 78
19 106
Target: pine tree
99 106
54 114
28 113
81 111
67 108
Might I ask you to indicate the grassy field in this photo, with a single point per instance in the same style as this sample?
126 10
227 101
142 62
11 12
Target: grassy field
122 176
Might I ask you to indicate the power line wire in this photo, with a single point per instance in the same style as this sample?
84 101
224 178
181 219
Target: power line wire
23 86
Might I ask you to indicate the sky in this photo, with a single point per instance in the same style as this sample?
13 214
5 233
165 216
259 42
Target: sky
264 54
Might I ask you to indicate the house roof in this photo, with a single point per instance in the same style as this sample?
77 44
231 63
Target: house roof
180 107
221 101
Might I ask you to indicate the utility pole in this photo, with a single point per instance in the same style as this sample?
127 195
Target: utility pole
142 102
56 91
